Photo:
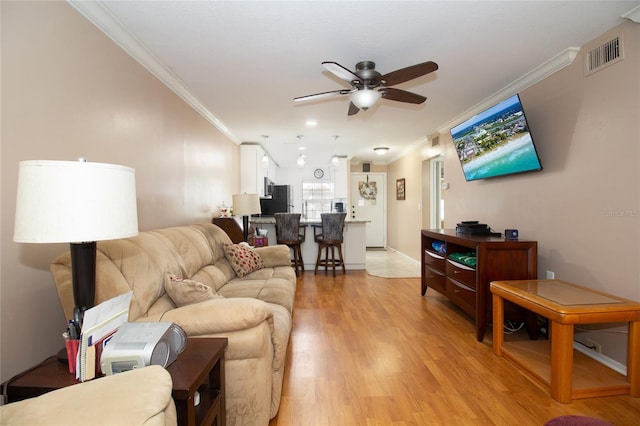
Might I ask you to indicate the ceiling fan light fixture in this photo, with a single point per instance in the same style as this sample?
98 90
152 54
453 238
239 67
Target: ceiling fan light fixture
365 98
381 150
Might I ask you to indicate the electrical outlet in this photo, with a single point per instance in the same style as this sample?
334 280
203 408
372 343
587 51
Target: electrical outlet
594 345
551 275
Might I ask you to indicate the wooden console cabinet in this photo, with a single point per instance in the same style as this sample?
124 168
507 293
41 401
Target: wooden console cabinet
497 259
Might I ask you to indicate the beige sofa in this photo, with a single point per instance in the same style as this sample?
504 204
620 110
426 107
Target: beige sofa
137 397
255 313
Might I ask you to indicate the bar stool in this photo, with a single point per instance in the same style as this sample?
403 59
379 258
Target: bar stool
289 232
330 237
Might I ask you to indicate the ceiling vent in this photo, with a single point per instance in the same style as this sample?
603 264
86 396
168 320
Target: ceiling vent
435 140
602 54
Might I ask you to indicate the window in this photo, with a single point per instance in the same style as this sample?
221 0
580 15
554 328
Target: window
316 197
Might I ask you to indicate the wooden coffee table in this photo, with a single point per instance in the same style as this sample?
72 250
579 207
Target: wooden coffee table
568 374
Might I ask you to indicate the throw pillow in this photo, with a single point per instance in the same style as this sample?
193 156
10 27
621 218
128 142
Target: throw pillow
186 292
243 260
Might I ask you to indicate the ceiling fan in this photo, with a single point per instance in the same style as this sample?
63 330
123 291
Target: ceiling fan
368 85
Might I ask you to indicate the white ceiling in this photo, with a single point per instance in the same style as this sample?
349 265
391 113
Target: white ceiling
240 63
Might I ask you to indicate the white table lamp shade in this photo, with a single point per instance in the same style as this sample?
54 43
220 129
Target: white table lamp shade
246 204
74 201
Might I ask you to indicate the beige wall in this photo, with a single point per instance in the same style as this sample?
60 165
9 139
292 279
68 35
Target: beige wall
67 92
584 207
407 217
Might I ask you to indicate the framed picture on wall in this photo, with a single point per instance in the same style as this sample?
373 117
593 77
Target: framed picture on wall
400 189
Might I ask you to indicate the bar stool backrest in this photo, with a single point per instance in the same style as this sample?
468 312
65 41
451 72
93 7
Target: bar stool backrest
332 226
287 226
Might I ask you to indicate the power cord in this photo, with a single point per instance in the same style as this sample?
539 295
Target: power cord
511 327
593 348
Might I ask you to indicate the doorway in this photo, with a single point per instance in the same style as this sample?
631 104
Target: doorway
436 188
368 202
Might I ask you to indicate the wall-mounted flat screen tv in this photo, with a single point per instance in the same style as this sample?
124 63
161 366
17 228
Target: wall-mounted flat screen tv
496 142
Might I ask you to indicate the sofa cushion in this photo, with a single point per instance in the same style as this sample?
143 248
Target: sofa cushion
243 260
271 285
184 291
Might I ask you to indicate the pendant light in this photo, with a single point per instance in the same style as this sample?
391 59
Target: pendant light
265 157
335 161
300 162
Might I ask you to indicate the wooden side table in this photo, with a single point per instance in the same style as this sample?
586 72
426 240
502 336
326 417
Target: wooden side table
565 305
200 367
231 227
45 377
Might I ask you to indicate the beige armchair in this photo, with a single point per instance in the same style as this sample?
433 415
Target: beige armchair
137 397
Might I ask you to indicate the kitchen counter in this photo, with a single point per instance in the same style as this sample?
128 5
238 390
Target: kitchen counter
272 220
353 246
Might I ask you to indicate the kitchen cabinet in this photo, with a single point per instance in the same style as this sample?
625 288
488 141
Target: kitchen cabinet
253 170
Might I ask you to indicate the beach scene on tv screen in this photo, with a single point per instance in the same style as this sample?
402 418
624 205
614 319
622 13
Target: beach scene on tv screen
496 142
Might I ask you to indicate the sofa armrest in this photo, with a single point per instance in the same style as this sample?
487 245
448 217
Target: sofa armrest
277 255
137 397
216 316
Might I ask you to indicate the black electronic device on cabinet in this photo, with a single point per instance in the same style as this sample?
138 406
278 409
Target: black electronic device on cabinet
473 227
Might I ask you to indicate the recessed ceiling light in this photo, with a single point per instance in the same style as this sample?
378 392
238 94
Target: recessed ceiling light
311 123
381 150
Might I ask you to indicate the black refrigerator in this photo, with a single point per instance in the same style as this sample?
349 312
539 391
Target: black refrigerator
279 202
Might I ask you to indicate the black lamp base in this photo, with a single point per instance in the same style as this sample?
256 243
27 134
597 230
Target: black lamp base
83 273
245 228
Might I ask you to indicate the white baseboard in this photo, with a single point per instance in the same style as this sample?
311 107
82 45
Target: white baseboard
611 363
404 255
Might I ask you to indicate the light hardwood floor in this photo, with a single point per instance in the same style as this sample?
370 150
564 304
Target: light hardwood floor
366 350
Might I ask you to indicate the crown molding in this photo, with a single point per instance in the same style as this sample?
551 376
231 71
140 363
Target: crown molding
632 15
96 13
539 73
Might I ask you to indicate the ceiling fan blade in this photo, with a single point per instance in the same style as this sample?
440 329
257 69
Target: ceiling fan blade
409 73
402 96
353 109
340 71
321 95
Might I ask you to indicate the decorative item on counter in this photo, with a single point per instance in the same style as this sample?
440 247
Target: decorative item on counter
224 210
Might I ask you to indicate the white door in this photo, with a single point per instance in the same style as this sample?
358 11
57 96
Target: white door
369 202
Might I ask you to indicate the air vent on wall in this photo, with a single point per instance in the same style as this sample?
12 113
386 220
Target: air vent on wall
435 140
603 54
